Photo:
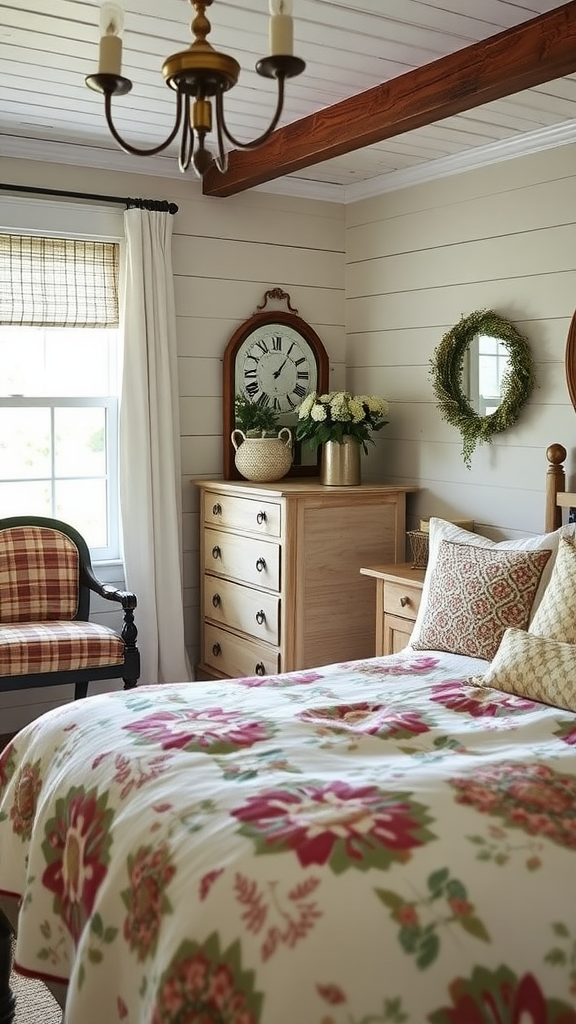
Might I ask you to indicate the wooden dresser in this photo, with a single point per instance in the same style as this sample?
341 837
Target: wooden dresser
398 595
281 584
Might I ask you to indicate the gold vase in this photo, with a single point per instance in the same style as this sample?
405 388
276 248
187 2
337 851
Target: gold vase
340 464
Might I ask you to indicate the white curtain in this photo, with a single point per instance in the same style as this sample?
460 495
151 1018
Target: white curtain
150 473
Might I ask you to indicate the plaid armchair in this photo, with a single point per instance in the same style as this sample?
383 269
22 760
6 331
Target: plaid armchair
46 579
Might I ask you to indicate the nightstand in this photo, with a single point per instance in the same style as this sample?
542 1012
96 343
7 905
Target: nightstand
398 596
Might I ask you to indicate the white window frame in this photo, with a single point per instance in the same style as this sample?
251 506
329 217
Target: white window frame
110 404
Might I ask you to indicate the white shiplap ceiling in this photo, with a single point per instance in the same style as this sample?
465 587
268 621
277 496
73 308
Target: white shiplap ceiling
46 111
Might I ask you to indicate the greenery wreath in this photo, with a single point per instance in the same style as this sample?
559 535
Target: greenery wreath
447 366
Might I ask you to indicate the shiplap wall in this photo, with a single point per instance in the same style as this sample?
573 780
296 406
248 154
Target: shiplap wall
501 238
226 255
381 282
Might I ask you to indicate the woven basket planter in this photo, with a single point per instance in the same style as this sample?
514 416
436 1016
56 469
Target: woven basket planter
263 459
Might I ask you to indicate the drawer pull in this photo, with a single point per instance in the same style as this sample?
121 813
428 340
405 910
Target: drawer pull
216 650
260 617
216 551
216 600
217 509
404 601
260 564
260 669
261 518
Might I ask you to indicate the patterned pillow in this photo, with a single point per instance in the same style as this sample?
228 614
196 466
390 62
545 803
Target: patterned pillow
556 615
441 530
534 667
475 594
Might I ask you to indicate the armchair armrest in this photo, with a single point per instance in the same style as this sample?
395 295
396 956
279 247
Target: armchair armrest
108 592
124 597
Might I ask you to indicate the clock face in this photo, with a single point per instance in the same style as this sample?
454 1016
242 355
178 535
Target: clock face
276 367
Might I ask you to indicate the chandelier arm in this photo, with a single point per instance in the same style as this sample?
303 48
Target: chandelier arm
221 160
187 140
134 150
221 123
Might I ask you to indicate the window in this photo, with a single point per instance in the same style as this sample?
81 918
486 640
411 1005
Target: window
59 429
59 388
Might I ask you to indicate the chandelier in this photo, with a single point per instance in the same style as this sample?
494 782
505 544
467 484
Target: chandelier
197 75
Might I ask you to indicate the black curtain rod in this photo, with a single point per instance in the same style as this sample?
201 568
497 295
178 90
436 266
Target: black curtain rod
159 205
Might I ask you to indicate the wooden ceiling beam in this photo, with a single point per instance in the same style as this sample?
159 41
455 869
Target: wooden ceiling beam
539 50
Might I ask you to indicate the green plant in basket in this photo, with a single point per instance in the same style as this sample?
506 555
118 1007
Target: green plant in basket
253 419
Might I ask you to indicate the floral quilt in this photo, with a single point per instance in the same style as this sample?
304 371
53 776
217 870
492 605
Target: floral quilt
364 843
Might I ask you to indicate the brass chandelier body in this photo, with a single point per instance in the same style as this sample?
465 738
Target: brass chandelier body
198 75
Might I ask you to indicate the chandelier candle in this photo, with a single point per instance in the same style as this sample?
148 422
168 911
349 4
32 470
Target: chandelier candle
281 31
110 50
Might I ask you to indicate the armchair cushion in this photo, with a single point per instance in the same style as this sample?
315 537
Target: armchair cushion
39 571
26 649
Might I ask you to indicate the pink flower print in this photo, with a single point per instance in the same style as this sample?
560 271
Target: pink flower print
335 824
208 729
76 849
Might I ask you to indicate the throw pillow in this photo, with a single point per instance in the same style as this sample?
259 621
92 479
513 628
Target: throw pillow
441 530
556 614
475 594
534 667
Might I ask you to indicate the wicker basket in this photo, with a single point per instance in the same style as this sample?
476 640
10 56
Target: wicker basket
418 541
263 459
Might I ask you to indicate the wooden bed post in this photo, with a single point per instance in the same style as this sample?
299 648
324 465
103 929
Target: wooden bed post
7 1000
555 484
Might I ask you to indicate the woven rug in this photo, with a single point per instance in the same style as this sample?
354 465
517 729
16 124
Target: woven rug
34 1003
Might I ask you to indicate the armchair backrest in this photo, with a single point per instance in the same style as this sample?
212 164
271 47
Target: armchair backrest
40 571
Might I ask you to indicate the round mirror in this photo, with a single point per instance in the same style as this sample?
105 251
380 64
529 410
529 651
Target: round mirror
570 360
482 374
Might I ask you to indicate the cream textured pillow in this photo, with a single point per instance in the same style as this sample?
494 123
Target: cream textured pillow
534 667
476 593
441 530
556 614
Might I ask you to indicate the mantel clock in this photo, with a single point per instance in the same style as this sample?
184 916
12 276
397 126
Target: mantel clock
275 359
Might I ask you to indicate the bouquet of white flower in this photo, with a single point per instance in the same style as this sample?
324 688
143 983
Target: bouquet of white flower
337 415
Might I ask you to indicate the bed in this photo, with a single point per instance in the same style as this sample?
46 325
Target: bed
387 840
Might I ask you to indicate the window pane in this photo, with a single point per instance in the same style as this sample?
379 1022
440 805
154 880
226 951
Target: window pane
41 361
25 443
26 498
80 442
83 505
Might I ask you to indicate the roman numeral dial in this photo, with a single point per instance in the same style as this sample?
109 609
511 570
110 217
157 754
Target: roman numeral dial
276 367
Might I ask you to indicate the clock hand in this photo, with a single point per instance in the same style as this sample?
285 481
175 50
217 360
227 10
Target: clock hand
277 372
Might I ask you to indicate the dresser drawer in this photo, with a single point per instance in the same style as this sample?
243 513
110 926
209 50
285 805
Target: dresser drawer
250 611
244 559
402 599
243 514
234 656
